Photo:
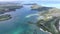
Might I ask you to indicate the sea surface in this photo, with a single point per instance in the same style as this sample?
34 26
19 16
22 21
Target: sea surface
19 23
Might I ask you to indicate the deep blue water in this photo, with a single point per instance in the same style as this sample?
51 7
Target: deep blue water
19 23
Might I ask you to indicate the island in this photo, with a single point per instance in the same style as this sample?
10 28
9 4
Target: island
5 17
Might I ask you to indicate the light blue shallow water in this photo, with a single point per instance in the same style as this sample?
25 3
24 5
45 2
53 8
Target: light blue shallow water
19 23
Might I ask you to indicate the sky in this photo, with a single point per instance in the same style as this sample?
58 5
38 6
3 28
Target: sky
29 0
52 3
8 0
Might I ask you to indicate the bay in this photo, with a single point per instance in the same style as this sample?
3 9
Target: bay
19 23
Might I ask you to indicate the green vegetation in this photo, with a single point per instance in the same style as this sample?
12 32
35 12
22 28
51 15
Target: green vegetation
49 25
5 17
50 22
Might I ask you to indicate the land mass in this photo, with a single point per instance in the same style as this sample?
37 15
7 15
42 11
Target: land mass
7 7
5 17
49 18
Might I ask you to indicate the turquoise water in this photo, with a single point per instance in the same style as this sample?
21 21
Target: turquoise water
19 23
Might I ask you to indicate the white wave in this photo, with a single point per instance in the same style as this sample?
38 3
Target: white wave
42 29
45 31
28 16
